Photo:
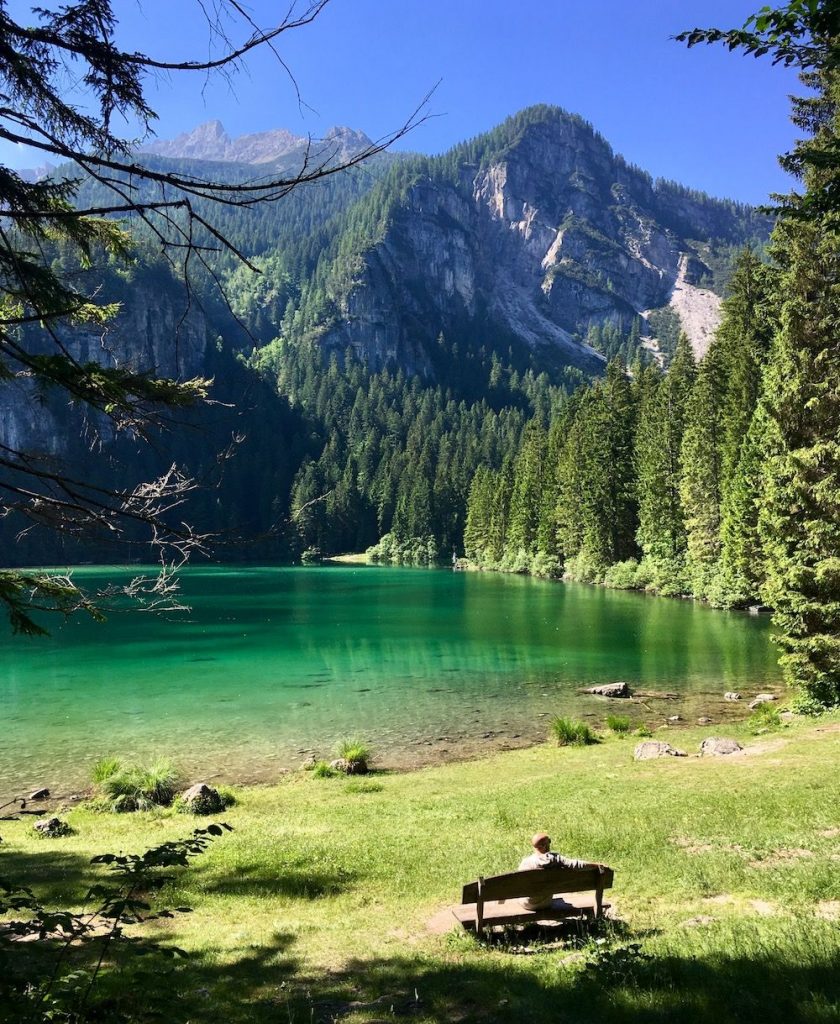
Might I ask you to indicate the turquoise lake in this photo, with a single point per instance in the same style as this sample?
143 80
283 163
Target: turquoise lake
272 664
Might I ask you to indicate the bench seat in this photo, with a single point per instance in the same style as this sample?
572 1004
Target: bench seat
514 911
573 892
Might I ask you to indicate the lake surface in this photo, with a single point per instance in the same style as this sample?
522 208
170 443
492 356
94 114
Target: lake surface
273 663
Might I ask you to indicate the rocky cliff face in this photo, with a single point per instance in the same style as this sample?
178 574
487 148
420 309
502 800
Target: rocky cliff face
551 234
155 331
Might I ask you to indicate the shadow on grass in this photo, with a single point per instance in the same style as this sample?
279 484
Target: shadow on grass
55 875
295 883
625 989
469 982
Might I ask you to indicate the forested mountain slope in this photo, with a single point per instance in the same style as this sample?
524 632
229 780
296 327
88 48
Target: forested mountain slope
411 316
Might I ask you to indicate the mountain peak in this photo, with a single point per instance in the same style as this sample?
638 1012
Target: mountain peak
210 141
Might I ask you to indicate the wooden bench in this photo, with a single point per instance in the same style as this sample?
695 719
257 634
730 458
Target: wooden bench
501 899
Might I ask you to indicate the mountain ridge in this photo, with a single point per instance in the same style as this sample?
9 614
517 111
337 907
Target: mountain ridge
211 142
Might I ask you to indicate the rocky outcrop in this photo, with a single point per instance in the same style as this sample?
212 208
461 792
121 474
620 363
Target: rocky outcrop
156 330
553 235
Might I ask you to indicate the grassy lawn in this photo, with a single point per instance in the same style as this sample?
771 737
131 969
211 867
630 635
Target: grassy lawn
317 906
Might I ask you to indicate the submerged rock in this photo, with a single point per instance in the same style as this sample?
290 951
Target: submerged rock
718 746
202 799
703 721
731 695
762 698
620 689
655 748
39 794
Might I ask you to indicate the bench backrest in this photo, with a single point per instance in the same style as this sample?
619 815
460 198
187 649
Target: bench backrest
536 883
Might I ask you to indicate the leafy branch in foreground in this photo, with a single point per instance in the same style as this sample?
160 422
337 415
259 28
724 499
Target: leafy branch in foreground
50 960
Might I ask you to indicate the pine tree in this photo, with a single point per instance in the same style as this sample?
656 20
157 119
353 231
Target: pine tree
661 534
701 477
799 522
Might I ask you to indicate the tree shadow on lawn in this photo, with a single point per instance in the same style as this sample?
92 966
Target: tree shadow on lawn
614 989
54 875
297 883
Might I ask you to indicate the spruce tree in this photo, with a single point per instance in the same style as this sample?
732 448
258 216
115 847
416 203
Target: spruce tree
700 482
662 534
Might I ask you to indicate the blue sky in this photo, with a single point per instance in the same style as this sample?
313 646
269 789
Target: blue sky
707 118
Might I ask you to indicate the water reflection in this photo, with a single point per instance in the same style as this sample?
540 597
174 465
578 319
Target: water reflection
270 662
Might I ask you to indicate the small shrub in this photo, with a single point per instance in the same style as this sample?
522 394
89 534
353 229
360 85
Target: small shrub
644 732
322 770
545 566
311 556
765 718
582 568
570 733
619 724
804 704
622 575
132 787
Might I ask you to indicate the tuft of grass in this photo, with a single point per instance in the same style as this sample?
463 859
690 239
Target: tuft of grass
644 732
765 718
568 732
354 750
619 724
323 770
104 768
364 787
134 787
229 796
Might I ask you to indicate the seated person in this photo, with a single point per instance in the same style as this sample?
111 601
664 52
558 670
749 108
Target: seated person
544 857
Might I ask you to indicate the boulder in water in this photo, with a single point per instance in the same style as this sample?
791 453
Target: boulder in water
620 689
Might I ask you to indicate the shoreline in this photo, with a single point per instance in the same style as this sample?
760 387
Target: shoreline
448 749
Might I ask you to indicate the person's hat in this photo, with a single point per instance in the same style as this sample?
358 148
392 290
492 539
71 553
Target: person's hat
538 837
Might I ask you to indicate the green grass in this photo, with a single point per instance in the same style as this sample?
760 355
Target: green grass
354 750
124 787
316 907
568 732
619 724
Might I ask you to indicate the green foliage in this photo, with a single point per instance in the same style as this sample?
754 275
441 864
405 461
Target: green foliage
409 551
322 770
802 703
568 732
53 958
104 768
765 718
666 326
619 724
125 787
623 575
353 750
